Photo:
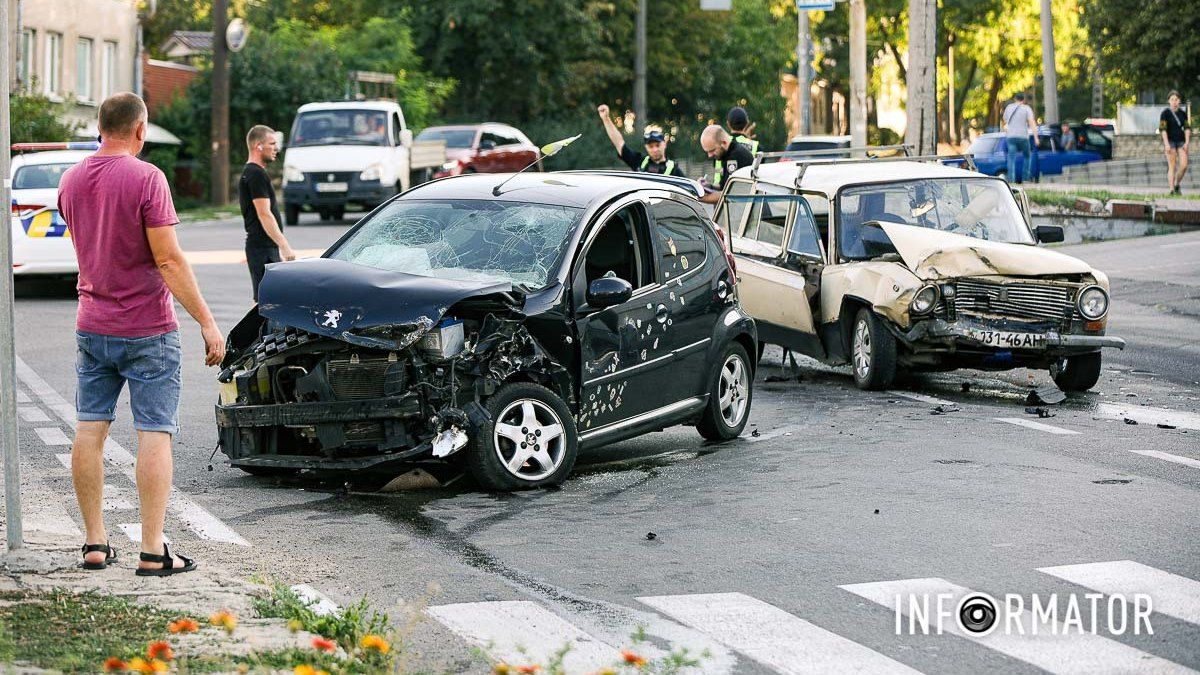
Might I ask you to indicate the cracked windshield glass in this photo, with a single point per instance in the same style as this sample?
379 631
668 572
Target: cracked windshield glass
465 240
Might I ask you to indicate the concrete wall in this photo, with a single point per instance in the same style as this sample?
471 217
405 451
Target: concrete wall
1131 146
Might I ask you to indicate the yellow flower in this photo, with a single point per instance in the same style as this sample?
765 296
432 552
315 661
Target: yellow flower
501 669
157 666
376 643
225 620
295 625
139 665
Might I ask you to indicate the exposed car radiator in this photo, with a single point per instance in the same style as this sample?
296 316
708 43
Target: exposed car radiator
1018 301
355 379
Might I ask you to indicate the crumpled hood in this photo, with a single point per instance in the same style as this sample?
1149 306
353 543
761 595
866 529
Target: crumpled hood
338 299
933 254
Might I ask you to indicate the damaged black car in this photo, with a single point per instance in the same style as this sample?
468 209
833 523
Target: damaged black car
505 328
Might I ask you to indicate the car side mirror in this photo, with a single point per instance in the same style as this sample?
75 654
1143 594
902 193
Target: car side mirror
406 137
1049 234
608 292
487 145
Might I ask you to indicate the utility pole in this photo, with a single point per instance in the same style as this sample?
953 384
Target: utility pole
639 69
951 126
858 73
803 95
922 128
219 162
1049 74
8 353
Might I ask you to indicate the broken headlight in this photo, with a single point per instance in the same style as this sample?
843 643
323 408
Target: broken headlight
924 301
1093 303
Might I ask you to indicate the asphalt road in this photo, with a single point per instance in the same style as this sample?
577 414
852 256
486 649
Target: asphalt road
780 552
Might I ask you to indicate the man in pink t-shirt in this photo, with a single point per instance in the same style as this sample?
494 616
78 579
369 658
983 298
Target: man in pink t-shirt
130 265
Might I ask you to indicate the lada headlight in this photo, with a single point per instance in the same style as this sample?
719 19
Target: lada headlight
924 301
1093 303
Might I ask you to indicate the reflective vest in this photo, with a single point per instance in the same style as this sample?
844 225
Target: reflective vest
718 165
751 144
666 170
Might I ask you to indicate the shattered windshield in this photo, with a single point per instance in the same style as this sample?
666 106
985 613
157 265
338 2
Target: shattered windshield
466 239
982 208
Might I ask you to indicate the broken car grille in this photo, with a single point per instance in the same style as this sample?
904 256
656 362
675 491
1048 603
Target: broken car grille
352 379
1018 301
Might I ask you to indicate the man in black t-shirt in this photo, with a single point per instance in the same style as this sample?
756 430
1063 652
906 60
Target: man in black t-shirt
654 161
1176 134
728 155
265 242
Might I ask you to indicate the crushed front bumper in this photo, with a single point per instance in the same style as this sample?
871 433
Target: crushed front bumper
939 334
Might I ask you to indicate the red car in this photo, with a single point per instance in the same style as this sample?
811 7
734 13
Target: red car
481 148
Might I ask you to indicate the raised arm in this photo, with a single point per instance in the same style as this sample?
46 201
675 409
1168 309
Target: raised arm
177 273
614 135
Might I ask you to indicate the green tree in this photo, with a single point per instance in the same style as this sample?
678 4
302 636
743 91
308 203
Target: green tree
35 118
1148 45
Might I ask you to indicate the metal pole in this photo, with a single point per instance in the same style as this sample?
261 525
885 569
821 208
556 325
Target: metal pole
8 354
1049 74
219 163
803 94
639 69
858 73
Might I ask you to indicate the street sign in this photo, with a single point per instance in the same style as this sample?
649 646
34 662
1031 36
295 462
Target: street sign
716 5
236 34
814 5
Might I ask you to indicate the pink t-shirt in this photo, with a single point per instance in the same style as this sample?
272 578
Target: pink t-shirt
108 202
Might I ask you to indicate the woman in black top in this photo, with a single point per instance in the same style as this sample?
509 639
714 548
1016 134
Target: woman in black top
1173 123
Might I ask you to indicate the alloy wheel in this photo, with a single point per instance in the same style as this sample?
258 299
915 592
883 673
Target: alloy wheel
529 439
733 390
862 350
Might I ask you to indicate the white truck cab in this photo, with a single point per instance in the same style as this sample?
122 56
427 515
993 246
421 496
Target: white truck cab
350 153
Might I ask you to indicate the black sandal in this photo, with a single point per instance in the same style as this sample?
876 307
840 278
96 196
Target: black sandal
167 562
110 556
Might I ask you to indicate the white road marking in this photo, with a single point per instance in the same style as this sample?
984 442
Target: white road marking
204 524
771 636
118 504
1149 415
134 532
1158 454
520 632
919 398
64 458
1170 594
22 397
1073 653
317 601
1037 426
32 414
52 436
774 433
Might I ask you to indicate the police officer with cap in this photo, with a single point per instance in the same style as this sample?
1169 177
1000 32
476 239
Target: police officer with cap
739 125
729 156
654 161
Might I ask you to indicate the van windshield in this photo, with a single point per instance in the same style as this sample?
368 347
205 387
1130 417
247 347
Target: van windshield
340 127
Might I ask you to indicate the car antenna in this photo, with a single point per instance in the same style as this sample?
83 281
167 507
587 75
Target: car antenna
548 150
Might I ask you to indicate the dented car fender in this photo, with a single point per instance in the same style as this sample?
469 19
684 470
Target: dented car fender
887 287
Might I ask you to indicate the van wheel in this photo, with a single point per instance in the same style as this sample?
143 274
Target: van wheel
1077 373
291 214
731 390
872 352
530 441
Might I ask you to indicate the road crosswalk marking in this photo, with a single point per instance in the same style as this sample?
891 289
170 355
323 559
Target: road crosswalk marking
919 398
772 636
1170 594
1158 454
134 532
52 436
1081 654
32 414
318 602
1037 426
1149 415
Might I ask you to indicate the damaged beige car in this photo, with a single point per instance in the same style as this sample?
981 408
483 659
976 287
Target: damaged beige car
910 265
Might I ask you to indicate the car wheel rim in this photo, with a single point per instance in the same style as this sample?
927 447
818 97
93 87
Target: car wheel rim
529 439
862 350
733 391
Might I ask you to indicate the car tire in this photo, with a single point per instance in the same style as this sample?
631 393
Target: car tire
291 214
730 393
325 214
339 213
872 352
523 413
1077 373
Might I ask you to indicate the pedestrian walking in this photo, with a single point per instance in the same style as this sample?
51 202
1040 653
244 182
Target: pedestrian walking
1020 127
729 156
265 242
130 266
655 158
1176 134
740 127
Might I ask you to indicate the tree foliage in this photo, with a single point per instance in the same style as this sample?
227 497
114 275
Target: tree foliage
36 118
1152 44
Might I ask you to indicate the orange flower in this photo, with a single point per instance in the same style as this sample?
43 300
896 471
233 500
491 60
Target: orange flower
528 670
321 644
183 626
376 643
225 620
139 665
633 658
114 665
160 650
305 669
157 666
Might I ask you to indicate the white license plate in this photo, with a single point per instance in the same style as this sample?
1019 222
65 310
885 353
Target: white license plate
1005 339
332 187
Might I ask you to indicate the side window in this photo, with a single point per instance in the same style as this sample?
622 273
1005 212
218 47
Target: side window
396 127
621 249
732 211
804 240
1045 143
679 236
507 138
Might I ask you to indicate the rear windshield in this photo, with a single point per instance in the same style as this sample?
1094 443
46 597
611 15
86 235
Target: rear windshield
455 138
39 176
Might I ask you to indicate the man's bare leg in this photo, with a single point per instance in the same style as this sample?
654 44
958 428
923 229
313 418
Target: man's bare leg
1170 169
154 472
87 473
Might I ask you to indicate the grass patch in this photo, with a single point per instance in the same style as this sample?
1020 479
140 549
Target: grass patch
74 633
346 627
1067 199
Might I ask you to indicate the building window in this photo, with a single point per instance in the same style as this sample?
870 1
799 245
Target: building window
83 69
108 76
52 80
28 43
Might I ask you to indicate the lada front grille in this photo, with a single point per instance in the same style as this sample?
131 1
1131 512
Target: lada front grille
1019 301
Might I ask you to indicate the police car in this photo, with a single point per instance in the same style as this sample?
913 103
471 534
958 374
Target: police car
41 239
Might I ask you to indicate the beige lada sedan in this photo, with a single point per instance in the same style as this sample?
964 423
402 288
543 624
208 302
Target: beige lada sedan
890 265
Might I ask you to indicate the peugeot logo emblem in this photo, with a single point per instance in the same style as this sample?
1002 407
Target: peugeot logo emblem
330 177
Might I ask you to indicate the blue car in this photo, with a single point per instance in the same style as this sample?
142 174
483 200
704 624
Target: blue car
990 152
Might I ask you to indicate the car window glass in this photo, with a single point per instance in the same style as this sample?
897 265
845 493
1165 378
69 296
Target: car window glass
679 234
489 136
984 146
454 138
507 138
39 176
340 127
1045 143
804 239
1095 137
620 249
731 212
396 129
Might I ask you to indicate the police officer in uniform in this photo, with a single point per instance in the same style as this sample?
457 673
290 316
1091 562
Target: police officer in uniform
654 161
739 125
729 156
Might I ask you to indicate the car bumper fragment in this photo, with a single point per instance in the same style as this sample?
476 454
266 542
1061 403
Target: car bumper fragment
938 332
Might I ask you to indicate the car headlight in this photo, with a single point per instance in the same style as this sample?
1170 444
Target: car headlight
451 165
292 175
924 300
1093 303
372 172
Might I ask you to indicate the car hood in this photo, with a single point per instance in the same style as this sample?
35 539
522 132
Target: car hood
341 300
933 254
312 158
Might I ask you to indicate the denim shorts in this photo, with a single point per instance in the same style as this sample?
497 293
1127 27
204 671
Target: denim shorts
150 365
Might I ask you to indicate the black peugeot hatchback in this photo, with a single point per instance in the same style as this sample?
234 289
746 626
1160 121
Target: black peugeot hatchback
508 325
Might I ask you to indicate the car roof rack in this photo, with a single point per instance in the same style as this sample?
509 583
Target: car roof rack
872 152
966 159
686 183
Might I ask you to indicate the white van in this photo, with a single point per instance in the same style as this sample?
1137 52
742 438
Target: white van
350 153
